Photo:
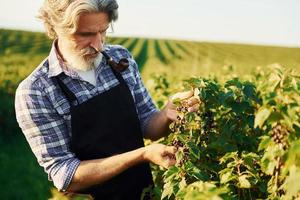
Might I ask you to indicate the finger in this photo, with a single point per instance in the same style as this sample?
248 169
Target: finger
168 162
193 100
182 95
171 105
194 108
171 162
196 92
170 150
173 115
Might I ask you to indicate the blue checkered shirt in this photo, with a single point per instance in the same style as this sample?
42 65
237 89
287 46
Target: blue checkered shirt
43 113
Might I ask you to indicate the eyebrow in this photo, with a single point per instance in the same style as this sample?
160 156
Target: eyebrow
91 32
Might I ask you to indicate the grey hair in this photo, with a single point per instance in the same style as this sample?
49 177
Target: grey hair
61 16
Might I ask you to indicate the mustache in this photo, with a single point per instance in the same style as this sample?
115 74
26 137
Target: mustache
87 51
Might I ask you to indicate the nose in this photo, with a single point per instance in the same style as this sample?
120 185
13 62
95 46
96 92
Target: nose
96 42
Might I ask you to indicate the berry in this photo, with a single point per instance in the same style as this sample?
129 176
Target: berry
279 135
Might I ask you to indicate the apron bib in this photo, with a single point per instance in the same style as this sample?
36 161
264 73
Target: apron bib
103 126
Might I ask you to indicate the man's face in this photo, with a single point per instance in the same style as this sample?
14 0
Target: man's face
82 48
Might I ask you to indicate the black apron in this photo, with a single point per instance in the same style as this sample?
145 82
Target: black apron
103 126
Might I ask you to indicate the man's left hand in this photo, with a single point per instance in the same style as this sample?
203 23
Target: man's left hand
191 100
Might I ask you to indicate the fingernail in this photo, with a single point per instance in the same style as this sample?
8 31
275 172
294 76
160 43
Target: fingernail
191 109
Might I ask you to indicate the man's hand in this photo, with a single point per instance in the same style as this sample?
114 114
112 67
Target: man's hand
97 171
158 125
161 155
190 98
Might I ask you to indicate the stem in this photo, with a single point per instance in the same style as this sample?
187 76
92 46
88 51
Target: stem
244 195
250 194
239 173
238 168
224 114
277 170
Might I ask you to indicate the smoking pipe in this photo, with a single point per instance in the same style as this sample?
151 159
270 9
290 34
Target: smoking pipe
120 66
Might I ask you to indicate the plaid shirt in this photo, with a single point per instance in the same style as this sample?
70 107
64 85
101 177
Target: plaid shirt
43 113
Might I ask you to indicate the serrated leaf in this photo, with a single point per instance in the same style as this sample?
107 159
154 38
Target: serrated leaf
195 172
171 172
227 177
268 163
199 175
168 190
194 150
228 156
292 185
274 80
250 159
182 183
261 116
264 143
275 117
243 182
294 154
176 101
249 90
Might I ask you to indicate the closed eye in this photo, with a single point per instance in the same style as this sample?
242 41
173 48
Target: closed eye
86 34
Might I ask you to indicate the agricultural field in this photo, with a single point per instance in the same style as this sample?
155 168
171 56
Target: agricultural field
246 82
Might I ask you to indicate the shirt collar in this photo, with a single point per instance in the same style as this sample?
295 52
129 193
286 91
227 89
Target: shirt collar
54 66
57 65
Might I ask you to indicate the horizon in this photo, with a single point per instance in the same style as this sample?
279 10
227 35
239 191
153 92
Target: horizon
259 22
176 39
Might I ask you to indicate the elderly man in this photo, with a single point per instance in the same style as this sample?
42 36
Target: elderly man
85 114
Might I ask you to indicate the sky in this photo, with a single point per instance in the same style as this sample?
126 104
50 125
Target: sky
266 22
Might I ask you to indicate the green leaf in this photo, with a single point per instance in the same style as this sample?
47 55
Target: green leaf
170 188
261 116
194 150
195 172
176 101
239 107
250 159
268 163
249 90
227 176
264 143
294 154
171 172
227 156
274 80
167 191
275 117
182 183
243 182
292 185
234 82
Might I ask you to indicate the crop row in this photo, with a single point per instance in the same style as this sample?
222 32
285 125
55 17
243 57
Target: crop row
37 43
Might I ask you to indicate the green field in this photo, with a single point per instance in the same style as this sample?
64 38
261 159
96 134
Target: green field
21 52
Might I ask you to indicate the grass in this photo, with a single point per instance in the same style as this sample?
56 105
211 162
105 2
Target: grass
21 176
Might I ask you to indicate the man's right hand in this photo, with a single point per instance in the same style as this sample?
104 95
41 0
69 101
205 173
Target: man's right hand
160 154
97 171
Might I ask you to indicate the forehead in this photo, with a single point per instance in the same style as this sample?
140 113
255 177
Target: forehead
93 21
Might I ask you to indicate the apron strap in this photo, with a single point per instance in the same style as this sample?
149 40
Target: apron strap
118 75
71 96
67 92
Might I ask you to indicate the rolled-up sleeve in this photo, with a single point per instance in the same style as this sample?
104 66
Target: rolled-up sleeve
46 133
